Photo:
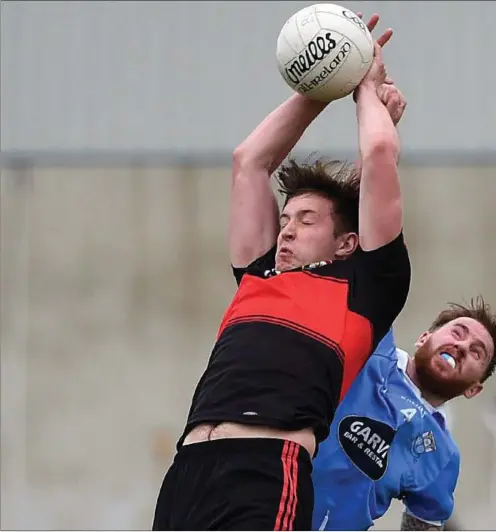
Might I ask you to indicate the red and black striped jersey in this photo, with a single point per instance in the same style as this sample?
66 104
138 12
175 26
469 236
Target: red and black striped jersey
290 344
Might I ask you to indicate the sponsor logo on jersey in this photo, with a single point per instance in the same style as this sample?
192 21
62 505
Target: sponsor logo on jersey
366 442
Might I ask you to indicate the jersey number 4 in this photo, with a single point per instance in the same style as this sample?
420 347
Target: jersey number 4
408 413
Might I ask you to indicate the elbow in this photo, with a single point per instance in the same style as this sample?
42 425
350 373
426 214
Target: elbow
246 159
383 146
239 155
242 161
247 166
238 159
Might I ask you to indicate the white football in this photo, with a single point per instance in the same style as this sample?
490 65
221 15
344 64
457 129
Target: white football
324 51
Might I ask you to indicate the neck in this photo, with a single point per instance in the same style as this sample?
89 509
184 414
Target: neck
431 398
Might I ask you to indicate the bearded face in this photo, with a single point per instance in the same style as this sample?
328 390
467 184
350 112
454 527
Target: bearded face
452 360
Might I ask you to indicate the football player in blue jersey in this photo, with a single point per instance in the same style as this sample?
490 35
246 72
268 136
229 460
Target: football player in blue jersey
389 437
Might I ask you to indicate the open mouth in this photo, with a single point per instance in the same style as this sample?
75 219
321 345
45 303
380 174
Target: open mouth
449 359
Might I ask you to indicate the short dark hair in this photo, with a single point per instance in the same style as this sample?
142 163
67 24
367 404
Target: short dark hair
338 181
478 310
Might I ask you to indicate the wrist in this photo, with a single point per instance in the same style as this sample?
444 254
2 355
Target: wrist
365 87
309 103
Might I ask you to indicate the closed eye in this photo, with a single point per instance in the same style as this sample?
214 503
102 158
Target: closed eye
479 352
477 347
309 218
460 331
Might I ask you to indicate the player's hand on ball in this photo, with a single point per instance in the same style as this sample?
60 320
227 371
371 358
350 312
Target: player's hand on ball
393 99
372 23
377 74
388 93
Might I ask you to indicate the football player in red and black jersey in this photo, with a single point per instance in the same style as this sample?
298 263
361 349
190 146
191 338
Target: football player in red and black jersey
319 286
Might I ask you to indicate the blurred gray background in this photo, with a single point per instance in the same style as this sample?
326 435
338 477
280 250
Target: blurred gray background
118 121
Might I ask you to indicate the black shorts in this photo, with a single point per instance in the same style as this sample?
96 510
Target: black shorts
237 484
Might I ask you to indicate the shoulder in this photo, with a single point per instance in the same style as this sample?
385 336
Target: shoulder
387 267
397 247
387 346
258 267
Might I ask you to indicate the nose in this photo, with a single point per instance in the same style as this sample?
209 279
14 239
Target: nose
288 232
462 348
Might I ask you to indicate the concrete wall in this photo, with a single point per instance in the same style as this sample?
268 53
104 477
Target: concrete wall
113 283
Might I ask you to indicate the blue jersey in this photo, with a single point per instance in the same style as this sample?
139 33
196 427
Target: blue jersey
385 442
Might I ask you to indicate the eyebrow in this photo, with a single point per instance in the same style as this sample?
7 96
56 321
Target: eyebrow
478 342
299 213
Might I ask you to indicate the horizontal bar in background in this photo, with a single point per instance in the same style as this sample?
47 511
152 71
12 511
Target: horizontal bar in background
113 159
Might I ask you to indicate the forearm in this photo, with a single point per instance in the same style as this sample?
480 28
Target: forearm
409 522
380 208
271 142
395 113
376 129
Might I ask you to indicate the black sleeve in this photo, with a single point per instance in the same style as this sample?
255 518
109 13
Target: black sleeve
258 266
384 276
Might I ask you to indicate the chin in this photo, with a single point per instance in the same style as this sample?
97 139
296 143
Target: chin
439 380
286 264
437 377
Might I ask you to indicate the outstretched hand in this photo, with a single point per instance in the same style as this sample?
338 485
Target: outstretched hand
372 23
387 92
377 73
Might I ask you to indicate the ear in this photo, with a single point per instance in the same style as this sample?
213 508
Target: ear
347 244
422 339
474 390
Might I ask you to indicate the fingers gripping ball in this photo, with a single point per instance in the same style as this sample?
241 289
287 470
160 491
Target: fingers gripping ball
324 51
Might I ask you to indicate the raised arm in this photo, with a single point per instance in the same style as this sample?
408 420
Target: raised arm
380 211
254 215
395 103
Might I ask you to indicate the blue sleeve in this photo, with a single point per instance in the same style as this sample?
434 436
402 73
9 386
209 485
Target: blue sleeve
434 502
387 346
